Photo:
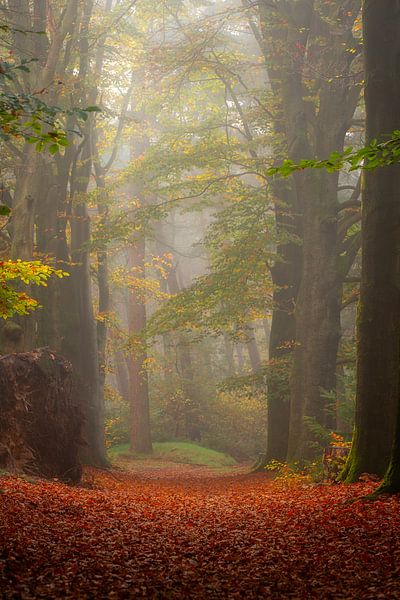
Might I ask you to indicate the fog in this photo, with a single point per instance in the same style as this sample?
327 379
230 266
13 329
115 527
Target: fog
196 196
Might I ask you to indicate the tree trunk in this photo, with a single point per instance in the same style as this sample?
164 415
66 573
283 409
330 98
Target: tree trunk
230 361
281 336
121 375
138 376
102 280
267 332
30 178
312 129
83 339
51 193
285 277
253 351
317 316
379 306
86 361
239 353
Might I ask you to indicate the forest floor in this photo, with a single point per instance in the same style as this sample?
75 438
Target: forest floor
183 532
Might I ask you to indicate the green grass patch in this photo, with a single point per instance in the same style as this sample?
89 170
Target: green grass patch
177 452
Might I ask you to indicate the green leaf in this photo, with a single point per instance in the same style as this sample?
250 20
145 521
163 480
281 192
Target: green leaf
4 210
92 109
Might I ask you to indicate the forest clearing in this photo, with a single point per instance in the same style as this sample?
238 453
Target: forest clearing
192 532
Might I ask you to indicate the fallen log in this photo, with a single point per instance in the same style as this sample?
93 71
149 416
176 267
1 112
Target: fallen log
40 420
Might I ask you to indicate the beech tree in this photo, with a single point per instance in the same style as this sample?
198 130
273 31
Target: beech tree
46 217
302 41
379 317
228 97
309 115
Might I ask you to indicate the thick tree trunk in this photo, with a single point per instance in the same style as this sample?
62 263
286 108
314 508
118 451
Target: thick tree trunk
104 309
31 181
285 277
86 360
281 336
80 343
24 207
41 191
286 87
312 129
317 318
22 244
52 189
379 306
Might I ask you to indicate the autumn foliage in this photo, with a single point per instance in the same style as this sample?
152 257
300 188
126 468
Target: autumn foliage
186 533
17 302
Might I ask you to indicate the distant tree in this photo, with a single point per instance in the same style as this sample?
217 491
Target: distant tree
140 434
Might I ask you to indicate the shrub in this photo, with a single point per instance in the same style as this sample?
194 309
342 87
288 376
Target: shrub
116 418
237 422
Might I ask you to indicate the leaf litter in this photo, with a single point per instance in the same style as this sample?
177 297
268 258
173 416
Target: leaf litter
192 533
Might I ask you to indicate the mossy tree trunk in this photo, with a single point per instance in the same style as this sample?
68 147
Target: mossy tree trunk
314 37
379 308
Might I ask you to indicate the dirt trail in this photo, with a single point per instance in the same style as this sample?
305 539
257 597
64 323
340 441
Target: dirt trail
188 532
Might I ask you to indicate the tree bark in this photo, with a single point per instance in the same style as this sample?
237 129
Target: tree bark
253 351
34 197
312 129
82 340
86 359
379 306
285 276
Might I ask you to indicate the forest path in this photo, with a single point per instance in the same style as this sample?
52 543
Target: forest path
194 533
164 470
